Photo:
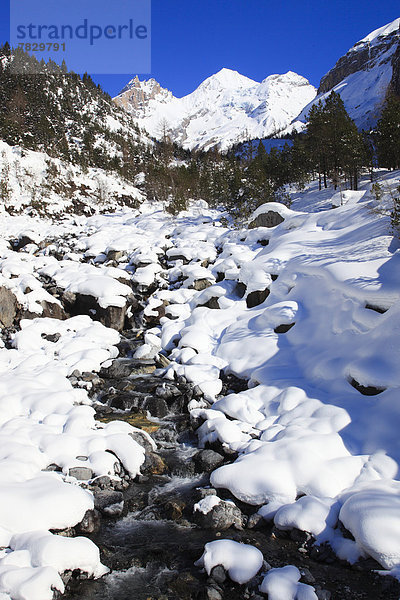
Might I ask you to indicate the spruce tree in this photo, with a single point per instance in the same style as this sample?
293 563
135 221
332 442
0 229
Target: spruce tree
388 134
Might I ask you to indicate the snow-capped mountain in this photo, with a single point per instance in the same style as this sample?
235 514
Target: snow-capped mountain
226 108
363 75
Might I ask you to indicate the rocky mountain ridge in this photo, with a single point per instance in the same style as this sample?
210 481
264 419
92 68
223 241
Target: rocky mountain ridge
363 76
225 108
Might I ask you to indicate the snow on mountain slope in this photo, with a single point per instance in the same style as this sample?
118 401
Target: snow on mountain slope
37 184
226 108
362 76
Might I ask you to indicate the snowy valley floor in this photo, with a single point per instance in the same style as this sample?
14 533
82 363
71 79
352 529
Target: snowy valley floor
307 312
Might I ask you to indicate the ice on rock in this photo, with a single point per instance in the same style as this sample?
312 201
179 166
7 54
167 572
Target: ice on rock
241 561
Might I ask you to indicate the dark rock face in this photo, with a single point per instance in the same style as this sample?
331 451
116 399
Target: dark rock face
8 307
106 501
257 297
208 460
395 82
82 304
369 390
90 522
51 310
267 219
284 328
360 58
21 242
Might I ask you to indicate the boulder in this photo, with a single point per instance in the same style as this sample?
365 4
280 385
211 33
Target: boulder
83 304
157 407
21 242
90 522
208 460
257 297
270 218
220 517
51 310
284 328
201 284
81 473
8 307
109 502
116 255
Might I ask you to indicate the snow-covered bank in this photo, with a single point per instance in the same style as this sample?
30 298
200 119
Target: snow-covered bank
307 311
45 423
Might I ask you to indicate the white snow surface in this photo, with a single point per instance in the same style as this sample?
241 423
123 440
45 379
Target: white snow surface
45 421
313 450
241 561
284 584
226 108
382 31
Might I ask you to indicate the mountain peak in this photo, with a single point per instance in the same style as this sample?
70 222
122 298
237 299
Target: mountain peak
228 79
381 32
288 77
137 94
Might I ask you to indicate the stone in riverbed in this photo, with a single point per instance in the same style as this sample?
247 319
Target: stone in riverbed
8 307
201 284
256 298
218 574
154 464
81 473
90 522
208 460
222 516
125 367
213 593
270 218
109 502
83 304
157 407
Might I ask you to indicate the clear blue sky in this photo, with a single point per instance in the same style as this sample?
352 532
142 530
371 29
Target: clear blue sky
191 39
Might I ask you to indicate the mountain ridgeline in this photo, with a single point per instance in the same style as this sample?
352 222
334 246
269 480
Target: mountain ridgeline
225 109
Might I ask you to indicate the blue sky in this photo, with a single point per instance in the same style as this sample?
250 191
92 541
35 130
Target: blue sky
191 39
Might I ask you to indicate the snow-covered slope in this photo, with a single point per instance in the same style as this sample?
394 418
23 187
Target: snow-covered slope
226 108
362 76
36 184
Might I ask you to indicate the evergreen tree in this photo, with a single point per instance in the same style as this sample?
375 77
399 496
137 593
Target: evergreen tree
388 134
335 145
